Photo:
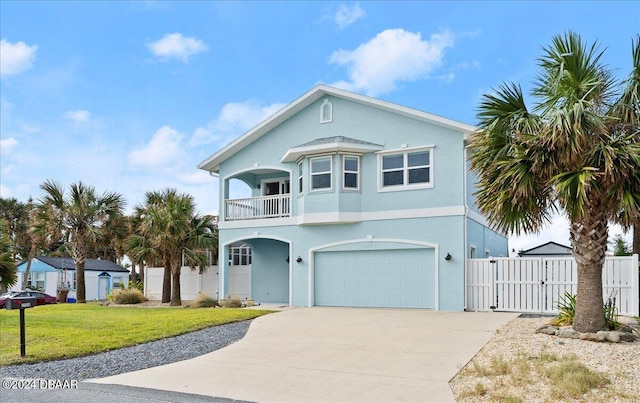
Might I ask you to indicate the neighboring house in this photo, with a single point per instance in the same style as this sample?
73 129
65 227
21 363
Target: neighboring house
50 274
347 200
547 249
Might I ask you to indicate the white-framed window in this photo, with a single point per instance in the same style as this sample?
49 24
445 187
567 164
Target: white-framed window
408 169
240 256
321 173
472 252
326 112
118 282
300 181
37 280
350 172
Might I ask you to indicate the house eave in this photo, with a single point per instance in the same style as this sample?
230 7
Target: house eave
293 154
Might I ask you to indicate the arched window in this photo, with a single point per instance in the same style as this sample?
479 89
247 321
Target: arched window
326 112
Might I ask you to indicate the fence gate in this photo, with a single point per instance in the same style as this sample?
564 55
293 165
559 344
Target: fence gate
536 284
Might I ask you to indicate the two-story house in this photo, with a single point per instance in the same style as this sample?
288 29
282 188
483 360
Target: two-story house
348 200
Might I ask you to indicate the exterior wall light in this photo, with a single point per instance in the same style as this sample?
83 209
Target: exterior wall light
299 259
448 257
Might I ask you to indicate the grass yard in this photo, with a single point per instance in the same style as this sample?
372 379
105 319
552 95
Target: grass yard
73 330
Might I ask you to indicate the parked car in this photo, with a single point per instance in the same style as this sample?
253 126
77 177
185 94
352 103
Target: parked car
41 298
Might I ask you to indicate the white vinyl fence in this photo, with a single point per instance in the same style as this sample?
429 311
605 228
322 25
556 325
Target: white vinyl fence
192 282
535 284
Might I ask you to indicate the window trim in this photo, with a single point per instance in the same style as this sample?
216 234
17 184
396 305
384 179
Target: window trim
329 115
344 172
330 172
405 169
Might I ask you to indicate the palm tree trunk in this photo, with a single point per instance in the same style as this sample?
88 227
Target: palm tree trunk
175 286
80 286
636 238
25 277
166 281
589 241
141 269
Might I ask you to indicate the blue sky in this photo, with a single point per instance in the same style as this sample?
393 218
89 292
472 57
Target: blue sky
130 96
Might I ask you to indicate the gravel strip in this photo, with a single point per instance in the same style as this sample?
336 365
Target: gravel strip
134 358
620 361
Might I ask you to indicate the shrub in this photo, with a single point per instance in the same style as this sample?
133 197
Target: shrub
136 284
127 296
203 301
232 302
567 307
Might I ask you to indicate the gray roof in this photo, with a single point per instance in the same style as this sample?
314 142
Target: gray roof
547 249
337 139
89 264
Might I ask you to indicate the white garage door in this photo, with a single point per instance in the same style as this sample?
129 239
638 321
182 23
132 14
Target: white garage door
382 278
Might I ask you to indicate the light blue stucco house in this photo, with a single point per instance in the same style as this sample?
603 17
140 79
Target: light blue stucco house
348 200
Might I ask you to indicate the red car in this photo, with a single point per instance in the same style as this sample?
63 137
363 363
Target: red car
41 298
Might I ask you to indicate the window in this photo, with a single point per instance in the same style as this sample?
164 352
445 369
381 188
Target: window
300 188
350 170
407 169
118 282
321 173
240 256
326 112
36 280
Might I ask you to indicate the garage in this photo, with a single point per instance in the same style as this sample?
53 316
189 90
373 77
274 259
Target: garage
393 278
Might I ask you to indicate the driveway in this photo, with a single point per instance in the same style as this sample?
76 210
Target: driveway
333 355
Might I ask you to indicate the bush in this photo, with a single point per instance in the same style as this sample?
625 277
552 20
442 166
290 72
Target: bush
567 307
203 301
136 284
232 302
127 296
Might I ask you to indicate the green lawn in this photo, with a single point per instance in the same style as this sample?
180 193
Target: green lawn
73 330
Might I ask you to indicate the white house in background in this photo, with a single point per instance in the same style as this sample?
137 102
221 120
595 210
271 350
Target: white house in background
50 274
547 249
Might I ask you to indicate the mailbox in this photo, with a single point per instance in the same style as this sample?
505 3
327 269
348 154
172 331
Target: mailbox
16 302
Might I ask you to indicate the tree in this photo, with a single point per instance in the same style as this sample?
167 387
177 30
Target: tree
171 231
573 153
620 246
80 218
8 275
16 216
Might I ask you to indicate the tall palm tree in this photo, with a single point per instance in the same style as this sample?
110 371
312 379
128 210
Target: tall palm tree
561 156
8 275
81 218
627 109
170 230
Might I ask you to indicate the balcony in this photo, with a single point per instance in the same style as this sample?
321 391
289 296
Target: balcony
255 208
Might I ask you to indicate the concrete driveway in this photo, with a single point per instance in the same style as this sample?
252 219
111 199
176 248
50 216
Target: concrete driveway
334 355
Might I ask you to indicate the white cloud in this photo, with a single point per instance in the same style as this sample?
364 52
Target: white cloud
234 119
78 115
393 55
16 57
7 144
176 46
346 15
163 149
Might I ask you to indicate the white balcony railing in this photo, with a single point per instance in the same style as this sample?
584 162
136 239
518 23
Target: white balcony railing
258 207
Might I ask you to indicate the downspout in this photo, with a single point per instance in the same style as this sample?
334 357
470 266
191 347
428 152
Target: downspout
466 219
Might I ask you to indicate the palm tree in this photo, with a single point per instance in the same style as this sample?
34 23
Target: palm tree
562 156
8 275
81 219
171 231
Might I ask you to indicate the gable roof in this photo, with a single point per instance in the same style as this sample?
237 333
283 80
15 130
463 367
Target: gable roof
212 164
89 264
547 249
330 144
